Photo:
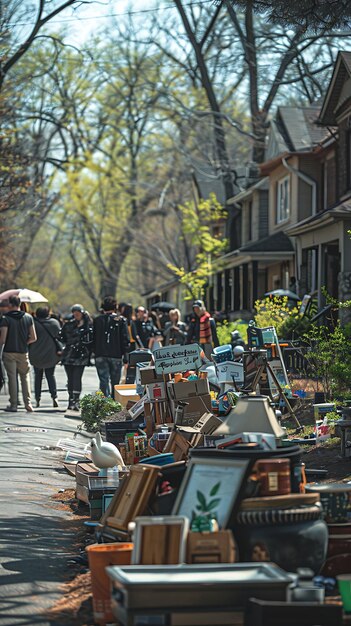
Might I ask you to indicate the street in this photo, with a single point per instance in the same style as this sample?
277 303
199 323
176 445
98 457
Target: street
36 536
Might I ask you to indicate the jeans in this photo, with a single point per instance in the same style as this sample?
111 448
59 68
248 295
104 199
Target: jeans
18 362
38 379
74 378
109 373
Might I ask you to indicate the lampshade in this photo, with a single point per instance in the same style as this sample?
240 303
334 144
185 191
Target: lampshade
252 414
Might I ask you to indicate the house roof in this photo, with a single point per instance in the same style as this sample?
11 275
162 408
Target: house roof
339 211
262 184
274 248
298 129
334 97
278 242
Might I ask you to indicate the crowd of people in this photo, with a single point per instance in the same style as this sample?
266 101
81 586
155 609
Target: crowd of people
43 340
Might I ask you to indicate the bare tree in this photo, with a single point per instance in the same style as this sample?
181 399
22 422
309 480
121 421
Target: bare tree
16 16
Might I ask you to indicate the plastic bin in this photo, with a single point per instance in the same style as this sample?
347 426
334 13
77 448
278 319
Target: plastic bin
223 353
99 557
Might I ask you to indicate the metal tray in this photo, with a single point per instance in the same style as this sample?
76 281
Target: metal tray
211 585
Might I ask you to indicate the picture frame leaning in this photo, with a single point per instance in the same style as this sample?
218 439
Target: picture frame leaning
212 485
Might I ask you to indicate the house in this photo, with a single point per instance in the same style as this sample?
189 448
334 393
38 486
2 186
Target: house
287 194
322 239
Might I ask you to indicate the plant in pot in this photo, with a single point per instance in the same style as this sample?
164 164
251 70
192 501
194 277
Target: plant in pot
95 408
204 518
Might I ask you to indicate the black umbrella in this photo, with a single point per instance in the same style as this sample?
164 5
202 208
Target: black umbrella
162 306
281 293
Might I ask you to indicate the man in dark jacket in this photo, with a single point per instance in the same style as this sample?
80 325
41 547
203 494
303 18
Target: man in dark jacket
16 333
110 345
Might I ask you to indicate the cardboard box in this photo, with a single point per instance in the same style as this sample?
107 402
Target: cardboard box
195 408
207 424
230 371
216 547
124 393
148 375
156 391
192 388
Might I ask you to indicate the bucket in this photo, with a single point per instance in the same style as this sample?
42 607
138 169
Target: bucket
99 557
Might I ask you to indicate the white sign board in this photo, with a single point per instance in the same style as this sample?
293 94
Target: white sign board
229 371
170 359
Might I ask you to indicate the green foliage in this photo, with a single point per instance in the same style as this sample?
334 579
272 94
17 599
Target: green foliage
294 326
225 329
205 506
332 417
198 221
329 356
275 312
95 407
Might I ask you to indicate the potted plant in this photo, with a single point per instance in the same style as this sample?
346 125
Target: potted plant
95 408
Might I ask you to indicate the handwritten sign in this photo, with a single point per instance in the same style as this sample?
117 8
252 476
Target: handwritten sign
229 371
170 359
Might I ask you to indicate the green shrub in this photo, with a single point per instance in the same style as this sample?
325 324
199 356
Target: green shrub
224 330
95 407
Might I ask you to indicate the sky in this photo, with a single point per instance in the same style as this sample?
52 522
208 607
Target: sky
80 23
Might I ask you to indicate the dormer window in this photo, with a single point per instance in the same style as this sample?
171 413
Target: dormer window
283 199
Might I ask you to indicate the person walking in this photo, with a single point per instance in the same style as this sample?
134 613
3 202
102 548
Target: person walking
175 330
45 353
76 336
110 345
202 328
17 332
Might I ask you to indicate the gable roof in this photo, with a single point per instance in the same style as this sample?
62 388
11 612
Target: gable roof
297 126
294 129
333 98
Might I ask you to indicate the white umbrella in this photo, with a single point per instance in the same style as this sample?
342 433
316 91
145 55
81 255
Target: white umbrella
33 297
25 295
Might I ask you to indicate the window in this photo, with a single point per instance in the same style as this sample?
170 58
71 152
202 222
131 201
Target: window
283 199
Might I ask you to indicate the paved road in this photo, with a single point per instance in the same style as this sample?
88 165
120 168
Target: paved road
36 539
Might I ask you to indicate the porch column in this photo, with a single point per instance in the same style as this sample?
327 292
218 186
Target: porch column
227 294
245 285
320 275
219 291
236 289
254 267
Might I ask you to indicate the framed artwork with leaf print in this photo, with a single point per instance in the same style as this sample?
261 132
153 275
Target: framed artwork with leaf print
212 486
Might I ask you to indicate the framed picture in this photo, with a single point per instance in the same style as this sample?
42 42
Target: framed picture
132 497
212 485
160 540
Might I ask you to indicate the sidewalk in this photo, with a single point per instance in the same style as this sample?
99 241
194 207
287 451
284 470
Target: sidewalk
36 537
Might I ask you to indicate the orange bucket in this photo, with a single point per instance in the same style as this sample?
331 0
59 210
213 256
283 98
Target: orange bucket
100 555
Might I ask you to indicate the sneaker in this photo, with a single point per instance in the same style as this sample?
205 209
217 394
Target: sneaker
11 409
29 408
55 403
37 403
